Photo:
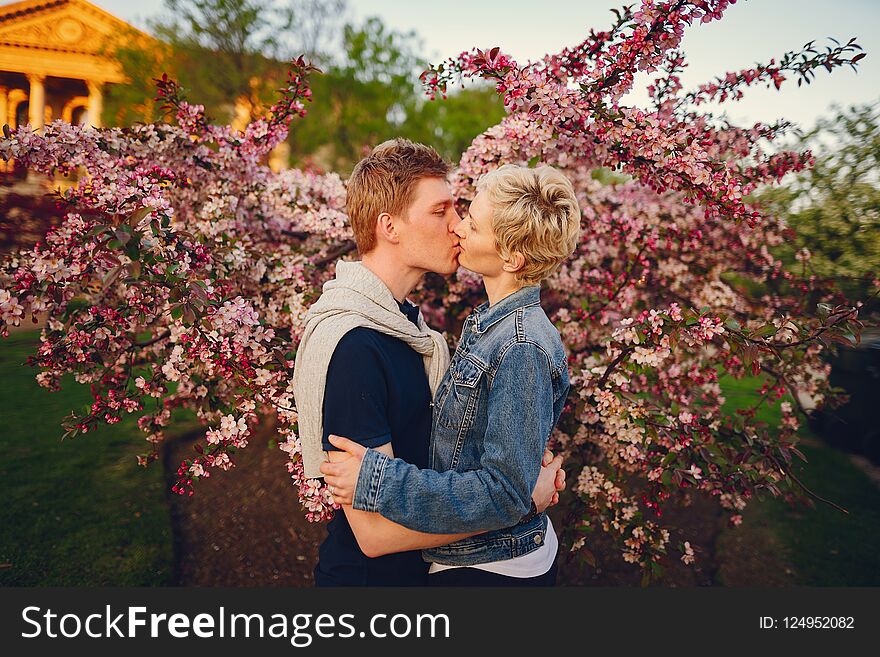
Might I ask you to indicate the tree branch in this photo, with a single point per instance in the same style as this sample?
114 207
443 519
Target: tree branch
346 247
617 361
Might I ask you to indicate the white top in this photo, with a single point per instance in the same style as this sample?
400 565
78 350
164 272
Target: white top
537 562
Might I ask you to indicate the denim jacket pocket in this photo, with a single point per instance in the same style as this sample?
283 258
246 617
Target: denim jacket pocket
457 408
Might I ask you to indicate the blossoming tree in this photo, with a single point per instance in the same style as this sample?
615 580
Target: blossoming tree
182 258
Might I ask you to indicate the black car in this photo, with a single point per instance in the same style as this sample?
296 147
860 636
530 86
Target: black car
855 426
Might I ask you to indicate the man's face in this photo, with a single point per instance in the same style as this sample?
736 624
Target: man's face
428 240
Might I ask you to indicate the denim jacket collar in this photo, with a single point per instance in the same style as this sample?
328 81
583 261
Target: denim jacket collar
485 315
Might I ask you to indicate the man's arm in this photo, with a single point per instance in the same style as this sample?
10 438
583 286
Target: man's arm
377 536
497 495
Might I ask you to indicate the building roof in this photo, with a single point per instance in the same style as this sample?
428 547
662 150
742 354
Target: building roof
63 38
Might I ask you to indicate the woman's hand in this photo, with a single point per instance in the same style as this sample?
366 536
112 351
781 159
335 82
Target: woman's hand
551 480
342 475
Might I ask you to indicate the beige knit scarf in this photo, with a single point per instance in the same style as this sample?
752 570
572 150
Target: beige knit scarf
356 297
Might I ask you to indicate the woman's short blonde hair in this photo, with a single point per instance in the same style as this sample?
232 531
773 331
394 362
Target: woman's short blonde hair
535 212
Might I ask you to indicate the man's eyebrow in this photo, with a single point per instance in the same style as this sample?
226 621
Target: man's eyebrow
444 203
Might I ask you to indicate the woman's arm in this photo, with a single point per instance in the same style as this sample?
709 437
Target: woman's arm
377 536
499 493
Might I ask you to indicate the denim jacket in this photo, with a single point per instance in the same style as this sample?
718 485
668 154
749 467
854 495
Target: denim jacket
493 414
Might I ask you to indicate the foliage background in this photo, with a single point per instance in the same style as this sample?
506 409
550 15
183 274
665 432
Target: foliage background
367 90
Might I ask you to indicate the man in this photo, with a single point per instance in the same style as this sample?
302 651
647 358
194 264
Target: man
377 360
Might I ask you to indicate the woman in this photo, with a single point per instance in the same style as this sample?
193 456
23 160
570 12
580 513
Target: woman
498 401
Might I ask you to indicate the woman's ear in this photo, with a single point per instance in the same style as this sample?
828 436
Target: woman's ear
514 262
385 228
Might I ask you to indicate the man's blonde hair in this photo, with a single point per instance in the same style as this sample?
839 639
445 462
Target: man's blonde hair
384 181
535 212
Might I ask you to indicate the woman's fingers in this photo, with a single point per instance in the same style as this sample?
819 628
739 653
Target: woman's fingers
560 479
548 456
336 484
346 445
328 468
340 494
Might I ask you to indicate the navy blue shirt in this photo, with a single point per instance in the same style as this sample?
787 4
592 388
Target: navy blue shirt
376 392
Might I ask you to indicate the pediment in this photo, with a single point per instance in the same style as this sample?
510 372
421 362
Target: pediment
65 25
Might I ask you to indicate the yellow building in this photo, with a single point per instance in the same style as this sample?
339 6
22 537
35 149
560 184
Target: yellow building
51 64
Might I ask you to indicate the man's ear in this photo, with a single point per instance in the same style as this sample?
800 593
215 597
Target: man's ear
385 228
514 262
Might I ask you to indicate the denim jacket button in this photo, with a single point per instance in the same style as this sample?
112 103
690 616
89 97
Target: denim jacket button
538 538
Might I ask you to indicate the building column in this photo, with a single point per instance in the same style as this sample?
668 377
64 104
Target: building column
8 165
279 157
36 101
4 106
96 103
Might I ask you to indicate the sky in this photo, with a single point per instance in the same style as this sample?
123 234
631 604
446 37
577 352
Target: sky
750 32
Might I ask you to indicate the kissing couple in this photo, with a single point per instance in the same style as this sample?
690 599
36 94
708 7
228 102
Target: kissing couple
440 464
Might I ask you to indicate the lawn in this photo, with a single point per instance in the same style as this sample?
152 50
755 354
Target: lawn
778 545
78 512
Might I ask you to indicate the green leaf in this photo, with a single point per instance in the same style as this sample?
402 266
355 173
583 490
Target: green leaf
588 556
189 316
850 336
138 214
122 233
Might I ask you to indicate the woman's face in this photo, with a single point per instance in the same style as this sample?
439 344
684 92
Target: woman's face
477 239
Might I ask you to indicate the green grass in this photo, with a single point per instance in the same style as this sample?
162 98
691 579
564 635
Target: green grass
743 393
820 546
78 512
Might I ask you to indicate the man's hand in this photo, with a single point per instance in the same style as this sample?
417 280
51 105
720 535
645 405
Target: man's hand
551 480
342 476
